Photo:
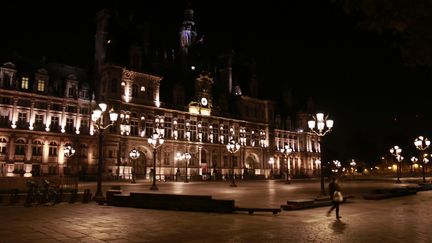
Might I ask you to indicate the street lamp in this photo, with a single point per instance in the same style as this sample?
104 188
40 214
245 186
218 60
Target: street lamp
396 151
286 150
125 129
156 140
134 154
271 162
422 144
98 124
187 136
232 148
414 162
337 163
186 157
352 164
69 151
321 125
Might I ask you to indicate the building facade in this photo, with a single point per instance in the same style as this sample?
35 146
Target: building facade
47 107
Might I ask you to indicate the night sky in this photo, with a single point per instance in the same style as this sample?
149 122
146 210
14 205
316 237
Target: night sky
311 48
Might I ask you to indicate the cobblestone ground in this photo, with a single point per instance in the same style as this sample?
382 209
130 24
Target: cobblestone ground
402 219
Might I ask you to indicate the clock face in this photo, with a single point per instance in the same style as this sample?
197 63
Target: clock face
204 101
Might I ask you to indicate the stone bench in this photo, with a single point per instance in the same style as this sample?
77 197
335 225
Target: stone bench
383 194
299 204
252 210
169 201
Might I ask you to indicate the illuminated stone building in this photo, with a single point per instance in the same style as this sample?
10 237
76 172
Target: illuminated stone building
45 107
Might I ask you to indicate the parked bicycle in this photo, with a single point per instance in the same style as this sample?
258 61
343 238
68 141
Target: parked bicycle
44 193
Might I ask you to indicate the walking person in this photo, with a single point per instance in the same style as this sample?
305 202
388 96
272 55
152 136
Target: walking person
335 196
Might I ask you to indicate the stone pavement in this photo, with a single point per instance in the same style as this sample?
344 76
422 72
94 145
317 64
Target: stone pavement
402 219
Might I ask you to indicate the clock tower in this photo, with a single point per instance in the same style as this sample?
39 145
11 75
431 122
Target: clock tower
203 99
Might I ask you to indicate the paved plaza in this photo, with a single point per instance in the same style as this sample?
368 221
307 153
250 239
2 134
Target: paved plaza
401 219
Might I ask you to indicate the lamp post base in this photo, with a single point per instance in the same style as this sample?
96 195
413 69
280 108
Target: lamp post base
398 181
99 199
154 188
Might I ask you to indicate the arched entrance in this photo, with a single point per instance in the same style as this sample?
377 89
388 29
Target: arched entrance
141 166
251 164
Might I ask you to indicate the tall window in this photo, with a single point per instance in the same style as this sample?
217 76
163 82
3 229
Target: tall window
54 123
52 152
38 122
84 125
71 91
24 83
134 128
3 145
4 120
134 90
37 148
69 124
166 158
41 85
22 119
19 147
83 150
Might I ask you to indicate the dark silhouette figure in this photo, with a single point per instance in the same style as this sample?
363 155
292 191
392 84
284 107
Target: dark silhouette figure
334 186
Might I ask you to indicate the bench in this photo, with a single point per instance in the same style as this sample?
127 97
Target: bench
252 210
310 203
389 194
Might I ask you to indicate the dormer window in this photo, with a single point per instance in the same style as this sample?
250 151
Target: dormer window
71 91
41 85
24 83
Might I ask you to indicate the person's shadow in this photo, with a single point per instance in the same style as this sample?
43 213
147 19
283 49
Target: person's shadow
338 226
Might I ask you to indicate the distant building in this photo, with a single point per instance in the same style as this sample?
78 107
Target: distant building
46 107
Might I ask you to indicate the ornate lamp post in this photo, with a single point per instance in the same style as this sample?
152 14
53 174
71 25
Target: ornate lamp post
125 129
321 125
186 157
396 151
232 148
156 140
134 154
271 162
286 150
337 163
422 144
98 124
69 151
414 161
353 164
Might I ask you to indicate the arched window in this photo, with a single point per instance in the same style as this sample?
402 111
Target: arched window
52 149
19 147
37 148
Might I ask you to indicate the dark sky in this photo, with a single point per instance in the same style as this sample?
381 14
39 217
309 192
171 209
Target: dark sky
310 47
